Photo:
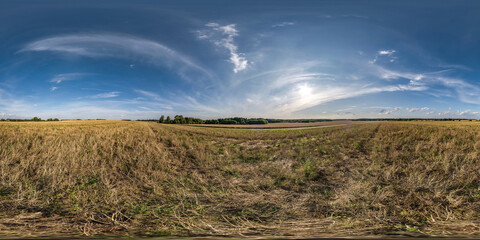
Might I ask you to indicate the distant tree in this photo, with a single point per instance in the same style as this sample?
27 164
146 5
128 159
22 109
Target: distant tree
212 121
162 119
36 119
227 121
56 119
179 119
256 121
168 120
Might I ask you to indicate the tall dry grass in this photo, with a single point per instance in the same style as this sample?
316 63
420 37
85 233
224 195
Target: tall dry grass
113 177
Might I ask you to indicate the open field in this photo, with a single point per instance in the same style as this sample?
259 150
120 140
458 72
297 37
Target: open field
142 178
276 125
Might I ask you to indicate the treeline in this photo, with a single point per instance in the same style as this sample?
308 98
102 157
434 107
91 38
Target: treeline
35 119
237 120
180 119
270 120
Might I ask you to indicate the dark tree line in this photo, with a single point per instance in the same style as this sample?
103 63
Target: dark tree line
237 120
180 119
34 119
271 120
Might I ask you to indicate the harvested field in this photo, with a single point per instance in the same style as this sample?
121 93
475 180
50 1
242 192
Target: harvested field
95 178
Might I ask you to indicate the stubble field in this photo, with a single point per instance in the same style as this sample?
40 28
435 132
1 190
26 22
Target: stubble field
142 178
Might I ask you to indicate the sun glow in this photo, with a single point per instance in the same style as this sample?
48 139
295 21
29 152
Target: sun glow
304 91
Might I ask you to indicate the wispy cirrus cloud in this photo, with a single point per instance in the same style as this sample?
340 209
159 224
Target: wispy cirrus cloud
223 36
466 92
105 95
283 24
12 104
63 77
288 91
149 94
389 111
108 45
418 109
185 102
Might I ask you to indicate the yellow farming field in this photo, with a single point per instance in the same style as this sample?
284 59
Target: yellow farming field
143 178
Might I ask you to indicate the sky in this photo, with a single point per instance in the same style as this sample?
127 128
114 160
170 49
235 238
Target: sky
208 59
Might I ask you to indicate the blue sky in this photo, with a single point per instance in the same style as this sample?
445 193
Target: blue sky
208 59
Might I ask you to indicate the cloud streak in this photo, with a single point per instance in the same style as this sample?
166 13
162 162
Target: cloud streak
107 45
418 109
59 78
223 36
283 24
105 95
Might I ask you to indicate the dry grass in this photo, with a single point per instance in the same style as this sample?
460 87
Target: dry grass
117 178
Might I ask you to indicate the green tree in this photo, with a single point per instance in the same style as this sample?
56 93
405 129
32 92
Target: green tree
179 119
162 119
168 119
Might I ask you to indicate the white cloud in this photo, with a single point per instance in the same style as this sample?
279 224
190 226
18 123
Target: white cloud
459 114
292 90
389 54
467 92
448 112
390 111
53 89
149 94
12 104
187 103
117 46
59 78
386 52
106 95
10 116
283 24
418 109
223 36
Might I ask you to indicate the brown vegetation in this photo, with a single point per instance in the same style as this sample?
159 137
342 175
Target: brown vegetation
117 178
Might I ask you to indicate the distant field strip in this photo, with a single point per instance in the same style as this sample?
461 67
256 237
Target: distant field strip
278 125
291 128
